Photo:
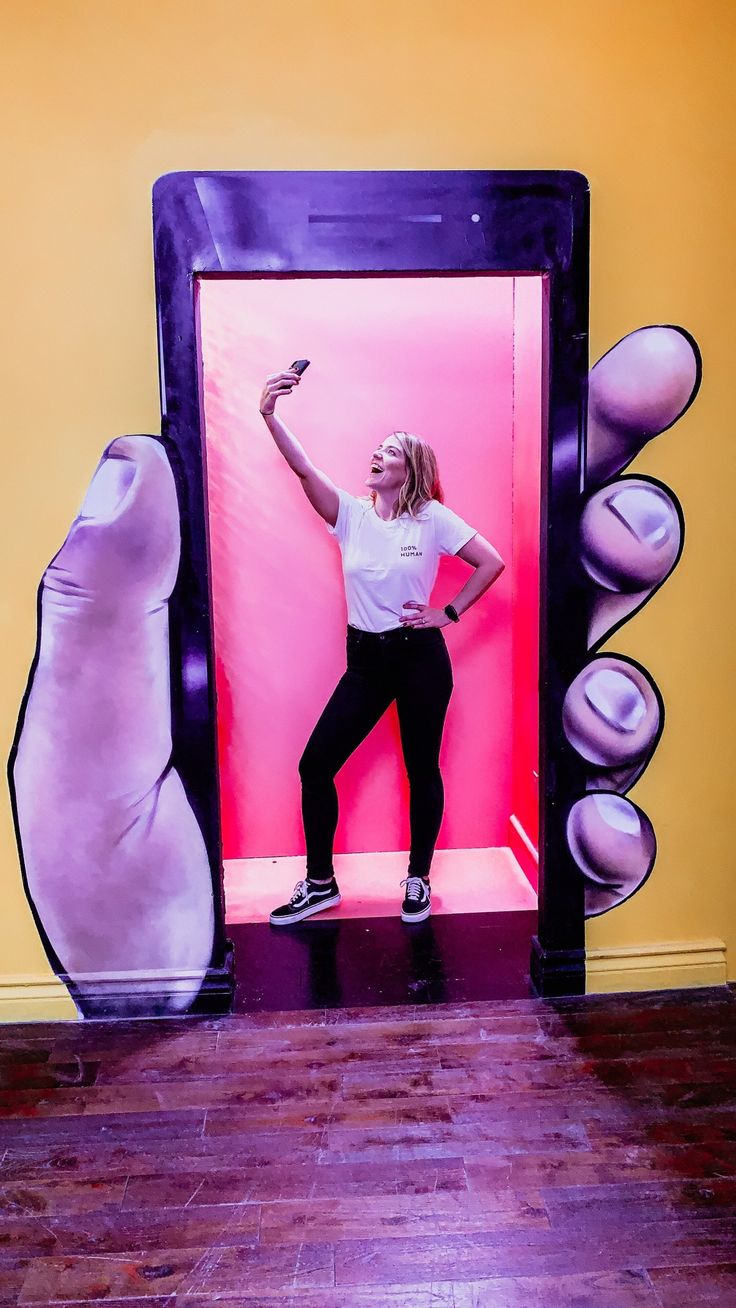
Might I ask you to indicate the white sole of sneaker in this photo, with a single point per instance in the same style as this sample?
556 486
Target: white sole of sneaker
416 917
307 912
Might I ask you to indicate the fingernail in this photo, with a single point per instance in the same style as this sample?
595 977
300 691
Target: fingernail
645 512
617 813
108 488
615 698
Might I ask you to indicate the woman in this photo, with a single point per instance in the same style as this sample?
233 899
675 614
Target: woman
390 541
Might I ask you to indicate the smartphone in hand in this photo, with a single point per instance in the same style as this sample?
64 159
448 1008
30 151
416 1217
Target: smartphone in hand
300 365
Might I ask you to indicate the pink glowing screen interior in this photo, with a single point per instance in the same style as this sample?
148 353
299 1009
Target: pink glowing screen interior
456 359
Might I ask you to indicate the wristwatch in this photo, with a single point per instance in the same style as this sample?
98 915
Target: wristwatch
452 613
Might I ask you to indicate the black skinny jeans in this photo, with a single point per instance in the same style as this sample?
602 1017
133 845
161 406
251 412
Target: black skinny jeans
412 666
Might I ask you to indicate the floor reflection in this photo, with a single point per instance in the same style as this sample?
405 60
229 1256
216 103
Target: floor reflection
379 961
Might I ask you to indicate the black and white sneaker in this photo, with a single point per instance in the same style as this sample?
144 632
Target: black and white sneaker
416 905
307 899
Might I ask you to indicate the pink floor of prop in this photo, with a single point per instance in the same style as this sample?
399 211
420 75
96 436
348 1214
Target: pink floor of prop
463 881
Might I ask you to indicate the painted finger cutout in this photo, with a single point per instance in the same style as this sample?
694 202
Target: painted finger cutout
131 899
631 535
612 716
613 844
638 389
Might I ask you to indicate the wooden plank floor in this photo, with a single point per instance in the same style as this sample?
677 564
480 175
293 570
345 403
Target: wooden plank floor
513 1154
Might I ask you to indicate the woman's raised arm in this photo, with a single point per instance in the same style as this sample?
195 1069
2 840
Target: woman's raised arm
319 490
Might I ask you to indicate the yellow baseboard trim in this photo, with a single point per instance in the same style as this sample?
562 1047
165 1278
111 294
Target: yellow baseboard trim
666 965
26 997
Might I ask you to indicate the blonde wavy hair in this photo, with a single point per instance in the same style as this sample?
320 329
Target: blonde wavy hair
422 482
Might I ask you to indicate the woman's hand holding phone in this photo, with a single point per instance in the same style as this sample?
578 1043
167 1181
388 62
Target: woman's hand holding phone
280 383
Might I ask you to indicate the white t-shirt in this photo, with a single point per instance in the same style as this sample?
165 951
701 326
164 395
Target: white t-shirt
385 564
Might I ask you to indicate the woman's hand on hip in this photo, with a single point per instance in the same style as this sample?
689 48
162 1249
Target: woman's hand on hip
424 616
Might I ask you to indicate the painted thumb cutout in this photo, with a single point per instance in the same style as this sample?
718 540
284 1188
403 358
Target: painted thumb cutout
631 537
613 844
123 547
612 716
638 389
115 862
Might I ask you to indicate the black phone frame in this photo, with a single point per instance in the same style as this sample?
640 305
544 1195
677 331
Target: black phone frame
292 224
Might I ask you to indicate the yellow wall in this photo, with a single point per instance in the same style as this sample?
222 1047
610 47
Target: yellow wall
100 98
